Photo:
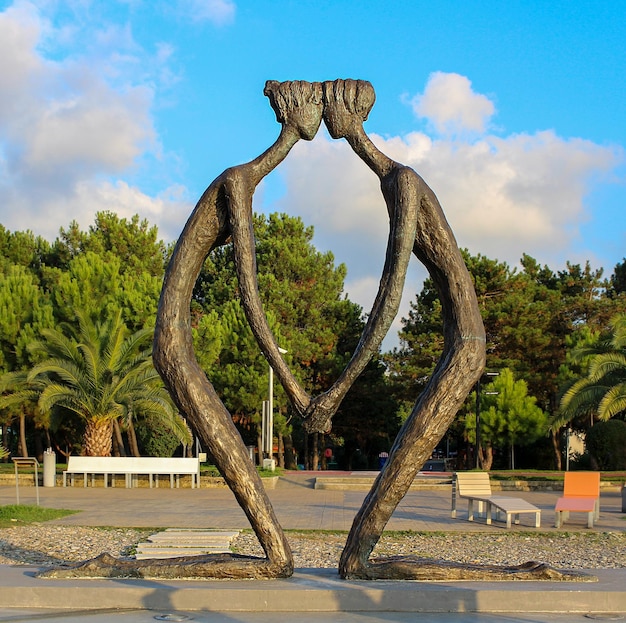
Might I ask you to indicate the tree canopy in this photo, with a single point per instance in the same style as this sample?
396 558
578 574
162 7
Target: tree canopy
99 373
601 393
551 328
531 314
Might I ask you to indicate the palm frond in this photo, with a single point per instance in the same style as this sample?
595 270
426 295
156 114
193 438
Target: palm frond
613 402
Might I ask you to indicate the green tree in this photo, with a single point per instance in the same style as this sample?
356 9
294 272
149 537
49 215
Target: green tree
618 279
300 288
116 265
98 372
98 285
133 242
530 316
601 393
22 249
605 443
509 417
302 293
24 312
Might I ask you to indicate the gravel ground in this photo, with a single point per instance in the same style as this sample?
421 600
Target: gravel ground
48 545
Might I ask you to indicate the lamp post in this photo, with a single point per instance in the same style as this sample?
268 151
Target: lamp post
267 426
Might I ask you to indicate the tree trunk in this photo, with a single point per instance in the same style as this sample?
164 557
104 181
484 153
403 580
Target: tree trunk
290 455
315 455
119 449
485 457
555 435
98 437
132 439
281 451
22 450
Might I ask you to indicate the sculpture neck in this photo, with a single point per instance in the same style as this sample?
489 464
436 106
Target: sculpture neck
369 153
274 155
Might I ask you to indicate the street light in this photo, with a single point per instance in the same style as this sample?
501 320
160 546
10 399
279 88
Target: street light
267 425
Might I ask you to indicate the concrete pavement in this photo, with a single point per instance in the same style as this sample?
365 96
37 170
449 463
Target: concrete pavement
299 506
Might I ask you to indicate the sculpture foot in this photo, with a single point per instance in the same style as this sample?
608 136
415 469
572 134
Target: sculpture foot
414 568
216 566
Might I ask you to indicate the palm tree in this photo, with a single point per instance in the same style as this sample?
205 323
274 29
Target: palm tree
100 373
602 392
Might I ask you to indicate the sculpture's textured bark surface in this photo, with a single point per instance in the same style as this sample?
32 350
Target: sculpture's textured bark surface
226 209
463 358
218 566
418 226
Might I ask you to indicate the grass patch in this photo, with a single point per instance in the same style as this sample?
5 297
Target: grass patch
212 471
268 473
20 514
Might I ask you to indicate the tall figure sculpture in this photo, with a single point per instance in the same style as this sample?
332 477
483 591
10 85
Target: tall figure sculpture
416 225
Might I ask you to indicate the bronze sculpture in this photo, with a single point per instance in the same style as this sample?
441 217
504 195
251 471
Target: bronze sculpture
418 226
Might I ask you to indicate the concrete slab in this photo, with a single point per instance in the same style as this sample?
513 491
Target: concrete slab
310 592
149 616
297 504
174 542
314 590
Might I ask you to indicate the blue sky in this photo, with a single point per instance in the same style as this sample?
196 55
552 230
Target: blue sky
513 112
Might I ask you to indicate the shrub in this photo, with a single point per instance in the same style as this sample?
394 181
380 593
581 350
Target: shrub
606 443
156 439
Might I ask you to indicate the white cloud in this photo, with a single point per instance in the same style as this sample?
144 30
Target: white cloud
506 196
503 196
169 210
70 127
451 105
220 12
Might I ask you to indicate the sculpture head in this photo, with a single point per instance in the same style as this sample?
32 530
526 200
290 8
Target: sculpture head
347 104
297 104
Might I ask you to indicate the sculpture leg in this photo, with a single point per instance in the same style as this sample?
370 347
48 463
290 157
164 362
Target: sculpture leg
459 366
175 360
419 436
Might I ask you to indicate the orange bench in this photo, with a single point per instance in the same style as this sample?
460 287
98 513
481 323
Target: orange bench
581 494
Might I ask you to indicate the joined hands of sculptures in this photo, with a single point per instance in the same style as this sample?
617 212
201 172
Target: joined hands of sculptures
418 226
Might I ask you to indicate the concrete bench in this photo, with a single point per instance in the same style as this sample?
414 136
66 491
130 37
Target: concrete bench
581 494
131 467
476 487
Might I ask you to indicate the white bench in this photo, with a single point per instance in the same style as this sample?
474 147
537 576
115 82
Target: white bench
131 467
476 487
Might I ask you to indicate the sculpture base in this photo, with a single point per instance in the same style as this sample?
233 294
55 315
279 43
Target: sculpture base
234 566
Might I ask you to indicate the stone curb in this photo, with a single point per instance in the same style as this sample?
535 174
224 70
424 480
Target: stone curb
314 590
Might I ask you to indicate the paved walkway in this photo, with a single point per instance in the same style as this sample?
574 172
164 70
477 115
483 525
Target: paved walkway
299 506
